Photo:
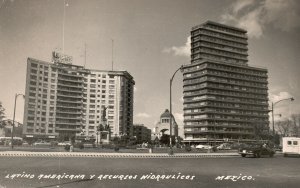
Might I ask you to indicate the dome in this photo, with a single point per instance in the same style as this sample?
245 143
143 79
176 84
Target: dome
166 114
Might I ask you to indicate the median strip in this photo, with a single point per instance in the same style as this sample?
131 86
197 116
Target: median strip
114 155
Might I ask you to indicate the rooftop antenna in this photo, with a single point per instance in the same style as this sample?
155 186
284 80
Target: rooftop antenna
112 54
64 17
84 55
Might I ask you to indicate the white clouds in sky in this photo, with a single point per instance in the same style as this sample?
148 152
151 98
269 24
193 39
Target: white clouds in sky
143 115
281 95
184 50
254 16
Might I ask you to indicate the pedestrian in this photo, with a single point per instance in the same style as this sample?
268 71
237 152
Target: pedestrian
71 148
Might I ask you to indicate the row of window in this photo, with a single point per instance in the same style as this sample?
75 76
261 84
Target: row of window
228 105
218 129
219 28
225 93
196 53
218 35
225 98
228 117
223 80
224 86
195 47
218 123
225 110
218 41
218 58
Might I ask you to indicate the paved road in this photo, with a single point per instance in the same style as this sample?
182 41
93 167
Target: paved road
149 172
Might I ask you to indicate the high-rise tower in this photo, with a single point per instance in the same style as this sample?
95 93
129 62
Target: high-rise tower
65 100
225 99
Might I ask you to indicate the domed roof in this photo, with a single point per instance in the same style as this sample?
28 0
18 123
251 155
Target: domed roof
166 114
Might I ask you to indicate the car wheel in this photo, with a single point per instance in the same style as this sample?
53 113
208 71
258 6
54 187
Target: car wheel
243 155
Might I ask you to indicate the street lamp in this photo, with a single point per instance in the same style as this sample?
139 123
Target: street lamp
13 125
171 116
273 105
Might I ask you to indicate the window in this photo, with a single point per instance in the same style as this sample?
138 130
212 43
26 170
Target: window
289 142
295 142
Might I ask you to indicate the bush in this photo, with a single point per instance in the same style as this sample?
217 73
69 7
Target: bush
214 149
67 147
116 148
188 148
79 145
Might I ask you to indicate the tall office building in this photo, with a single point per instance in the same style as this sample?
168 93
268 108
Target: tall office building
65 100
225 99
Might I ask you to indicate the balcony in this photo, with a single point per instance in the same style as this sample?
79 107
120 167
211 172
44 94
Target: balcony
60 100
220 35
65 95
70 85
73 90
66 79
209 39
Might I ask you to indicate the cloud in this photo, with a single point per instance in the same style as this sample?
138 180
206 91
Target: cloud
281 95
143 115
255 16
184 50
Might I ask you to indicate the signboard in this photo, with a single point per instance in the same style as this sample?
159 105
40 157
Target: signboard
61 58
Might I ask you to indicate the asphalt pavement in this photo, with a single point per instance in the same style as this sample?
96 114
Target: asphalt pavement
106 172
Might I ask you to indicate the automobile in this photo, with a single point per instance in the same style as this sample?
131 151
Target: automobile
64 143
25 143
256 150
224 146
41 143
203 146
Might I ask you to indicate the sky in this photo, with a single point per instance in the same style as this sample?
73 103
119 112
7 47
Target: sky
150 41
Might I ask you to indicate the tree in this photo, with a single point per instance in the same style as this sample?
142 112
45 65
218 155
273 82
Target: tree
2 115
295 125
261 132
283 127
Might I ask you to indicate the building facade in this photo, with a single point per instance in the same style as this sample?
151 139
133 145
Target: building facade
225 99
163 126
142 133
63 100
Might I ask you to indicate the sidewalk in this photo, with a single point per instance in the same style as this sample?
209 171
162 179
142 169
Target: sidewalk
113 155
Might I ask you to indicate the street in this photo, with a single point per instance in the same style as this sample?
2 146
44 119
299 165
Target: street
149 172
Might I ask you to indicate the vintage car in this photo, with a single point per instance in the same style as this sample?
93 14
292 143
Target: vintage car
256 150
203 146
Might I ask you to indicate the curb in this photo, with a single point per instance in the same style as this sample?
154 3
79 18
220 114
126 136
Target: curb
114 155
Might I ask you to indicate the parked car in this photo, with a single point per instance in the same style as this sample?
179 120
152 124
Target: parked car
41 143
203 146
64 143
224 146
256 150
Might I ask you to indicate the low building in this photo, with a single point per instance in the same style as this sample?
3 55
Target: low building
142 133
163 126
